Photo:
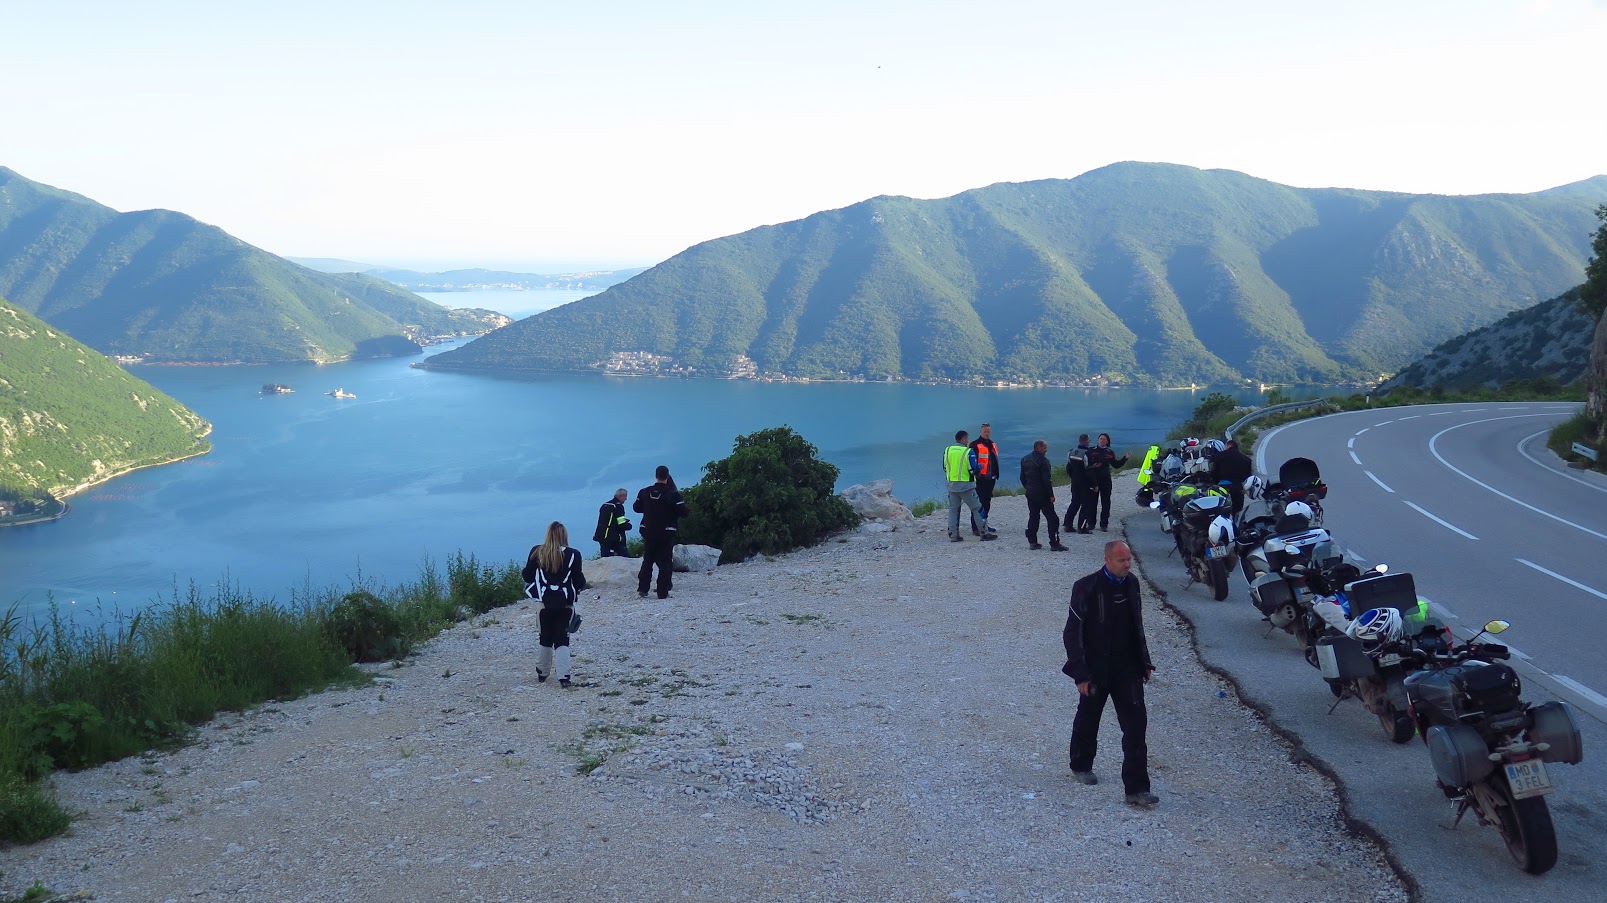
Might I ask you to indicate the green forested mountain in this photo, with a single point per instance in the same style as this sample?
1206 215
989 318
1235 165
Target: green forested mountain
1135 273
70 416
160 284
1549 340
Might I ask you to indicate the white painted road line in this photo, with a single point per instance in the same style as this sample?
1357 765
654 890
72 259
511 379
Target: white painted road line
1363 430
1447 525
1444 612
1581 689
1378 481
1550 573
1351 443
1599 487
1520 654
1359 559
1354 458
1381 424
1411 417
1441 458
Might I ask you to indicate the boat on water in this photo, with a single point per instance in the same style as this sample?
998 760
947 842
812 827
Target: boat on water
276 389
341 393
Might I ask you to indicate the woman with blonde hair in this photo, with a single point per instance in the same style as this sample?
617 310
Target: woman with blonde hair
553 576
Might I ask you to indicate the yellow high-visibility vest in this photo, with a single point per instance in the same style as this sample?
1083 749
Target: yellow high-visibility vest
957 464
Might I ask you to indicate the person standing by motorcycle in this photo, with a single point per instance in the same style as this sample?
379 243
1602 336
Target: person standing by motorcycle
661 508
1108 656
612 525
1101 460
1037 481
1077 471
1231 466
987 473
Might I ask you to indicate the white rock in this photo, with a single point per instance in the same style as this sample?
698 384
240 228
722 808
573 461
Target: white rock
695 558
611 570
875 503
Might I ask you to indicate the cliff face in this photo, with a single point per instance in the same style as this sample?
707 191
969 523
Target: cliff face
1596 375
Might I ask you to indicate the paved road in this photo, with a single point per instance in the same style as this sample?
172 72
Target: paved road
1469 500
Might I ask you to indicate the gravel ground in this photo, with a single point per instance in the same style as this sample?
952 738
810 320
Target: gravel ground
879 718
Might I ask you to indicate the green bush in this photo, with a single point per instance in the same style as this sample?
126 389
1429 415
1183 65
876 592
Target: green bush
1581 428
771 495
27 812
1213 414
480 588
369 629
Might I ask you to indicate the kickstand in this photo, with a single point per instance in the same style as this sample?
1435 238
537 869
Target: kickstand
1336 704
1461 810
1270 627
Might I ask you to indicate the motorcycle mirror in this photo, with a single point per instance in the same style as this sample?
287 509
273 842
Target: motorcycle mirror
1155 503
1497 626
1381 568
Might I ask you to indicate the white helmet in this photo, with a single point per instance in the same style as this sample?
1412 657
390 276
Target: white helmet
1254 486
1217 445
1377 625
1297 509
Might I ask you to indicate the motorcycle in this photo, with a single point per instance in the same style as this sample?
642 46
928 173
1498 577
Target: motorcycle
1286 571
1198 514
1299 480
1489 747
1376 672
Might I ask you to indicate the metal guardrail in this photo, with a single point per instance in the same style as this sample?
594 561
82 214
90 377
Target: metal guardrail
1269 409
1585 450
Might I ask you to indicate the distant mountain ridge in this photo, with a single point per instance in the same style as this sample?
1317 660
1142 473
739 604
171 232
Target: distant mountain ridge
70 417
1551 339
1137 273
164 287
474 279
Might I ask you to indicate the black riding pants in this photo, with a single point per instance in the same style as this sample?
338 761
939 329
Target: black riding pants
1128 696
658 547
1045 505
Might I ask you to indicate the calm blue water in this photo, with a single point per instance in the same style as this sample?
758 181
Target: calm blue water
306 487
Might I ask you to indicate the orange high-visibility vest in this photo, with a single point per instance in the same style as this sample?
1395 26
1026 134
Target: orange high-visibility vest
984 463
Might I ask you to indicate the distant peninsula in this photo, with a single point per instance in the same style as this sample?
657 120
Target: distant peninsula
475 279
1137 274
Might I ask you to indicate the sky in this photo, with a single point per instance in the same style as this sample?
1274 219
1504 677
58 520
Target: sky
550 136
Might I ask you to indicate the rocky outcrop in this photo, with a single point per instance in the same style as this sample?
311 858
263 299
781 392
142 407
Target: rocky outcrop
1596 373
695 558
874 503
1551 339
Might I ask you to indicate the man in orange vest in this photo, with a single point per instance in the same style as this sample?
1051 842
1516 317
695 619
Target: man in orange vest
987 475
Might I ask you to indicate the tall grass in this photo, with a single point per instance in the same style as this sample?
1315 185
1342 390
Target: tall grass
74 696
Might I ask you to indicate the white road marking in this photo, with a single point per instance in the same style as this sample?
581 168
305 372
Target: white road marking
1411 417
1363 430
1351 443
1599 487
1446 524
1378 481
1444 612
1573 583
1443 413
1359 559
1581 689
1441 458
1520 653
1354 458
1385 422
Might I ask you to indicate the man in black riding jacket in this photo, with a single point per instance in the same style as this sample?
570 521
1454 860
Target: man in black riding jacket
612 526
1108 657
1037 483
661 508
1232 465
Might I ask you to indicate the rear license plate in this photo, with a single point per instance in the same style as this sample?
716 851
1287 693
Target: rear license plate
1528 778
1216 552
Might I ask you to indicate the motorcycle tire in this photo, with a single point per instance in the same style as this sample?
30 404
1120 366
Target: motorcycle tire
1526 827
1398 726
1219 579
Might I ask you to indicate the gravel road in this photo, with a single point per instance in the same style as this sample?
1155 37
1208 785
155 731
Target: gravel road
877 718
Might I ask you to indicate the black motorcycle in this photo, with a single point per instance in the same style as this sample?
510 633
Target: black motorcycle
1489 747
1376 673
1198 514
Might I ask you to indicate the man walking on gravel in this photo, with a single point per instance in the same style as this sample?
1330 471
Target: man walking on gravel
1037 482
959 469
1108 657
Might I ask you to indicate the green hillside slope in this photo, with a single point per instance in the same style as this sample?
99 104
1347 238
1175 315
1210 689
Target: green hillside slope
1132 274
69 416
163 286
1550 340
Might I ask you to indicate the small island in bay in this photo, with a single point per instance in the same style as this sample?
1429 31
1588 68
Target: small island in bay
276 389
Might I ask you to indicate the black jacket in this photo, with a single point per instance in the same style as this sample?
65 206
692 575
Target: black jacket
1104 636
1101 460
609 529
566 584
1231 464
1076 460
661 508
1037 477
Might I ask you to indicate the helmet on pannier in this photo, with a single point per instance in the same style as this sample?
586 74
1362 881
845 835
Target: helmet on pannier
1377 625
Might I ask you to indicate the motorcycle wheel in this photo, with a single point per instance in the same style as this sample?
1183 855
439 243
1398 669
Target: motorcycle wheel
1397 725
1219 579
1526 828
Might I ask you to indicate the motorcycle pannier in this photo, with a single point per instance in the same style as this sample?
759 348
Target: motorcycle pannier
1395 591
1459 754
1554 725
1271 592
1342 658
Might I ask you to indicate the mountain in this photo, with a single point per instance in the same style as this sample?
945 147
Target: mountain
70 417
474 279
1551 339
161 286
1136 273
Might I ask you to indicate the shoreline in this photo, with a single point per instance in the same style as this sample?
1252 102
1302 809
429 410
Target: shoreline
87 485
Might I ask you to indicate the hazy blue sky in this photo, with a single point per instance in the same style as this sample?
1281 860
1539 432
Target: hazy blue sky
548 134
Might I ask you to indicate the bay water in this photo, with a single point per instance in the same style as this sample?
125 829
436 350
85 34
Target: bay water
312 490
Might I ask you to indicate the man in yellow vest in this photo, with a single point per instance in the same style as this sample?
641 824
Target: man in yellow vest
959 469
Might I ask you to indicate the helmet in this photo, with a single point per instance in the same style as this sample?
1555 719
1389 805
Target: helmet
1377 625
1254 486
1217 445
1297 509
1190 442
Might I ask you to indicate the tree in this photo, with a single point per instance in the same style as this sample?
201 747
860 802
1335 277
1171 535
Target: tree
1593 294
771 495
